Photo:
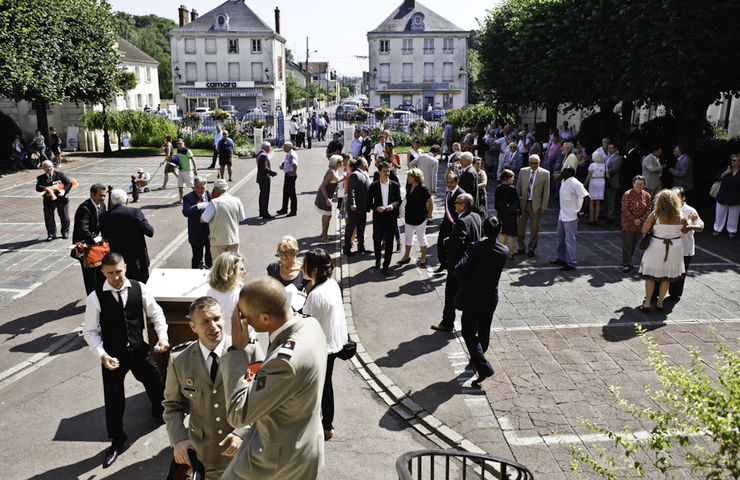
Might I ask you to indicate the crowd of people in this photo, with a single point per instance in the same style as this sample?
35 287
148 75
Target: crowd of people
238 423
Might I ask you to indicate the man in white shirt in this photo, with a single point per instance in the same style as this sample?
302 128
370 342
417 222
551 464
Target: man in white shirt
566 133
293 130
695 224
572 194
429 166
223 214
217 136
356 145
113 328
290 167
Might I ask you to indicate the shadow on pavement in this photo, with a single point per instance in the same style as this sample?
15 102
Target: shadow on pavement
415 287
74 470
42 343
391 421
29 323
18 245
624 327
434 395
413 349
155 467
155 206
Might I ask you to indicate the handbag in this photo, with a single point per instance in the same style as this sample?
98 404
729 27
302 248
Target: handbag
348 350
714 190
645 241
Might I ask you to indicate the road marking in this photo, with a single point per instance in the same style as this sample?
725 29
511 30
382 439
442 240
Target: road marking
648 323
708 252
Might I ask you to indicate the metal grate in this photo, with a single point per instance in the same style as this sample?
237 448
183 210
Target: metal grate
454 464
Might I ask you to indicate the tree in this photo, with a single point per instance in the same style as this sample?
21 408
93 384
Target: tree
53 51
294 93
344 92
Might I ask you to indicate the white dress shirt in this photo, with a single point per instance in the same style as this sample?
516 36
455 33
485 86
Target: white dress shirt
572 193
91 327
384 189
324 303
219 351
687 239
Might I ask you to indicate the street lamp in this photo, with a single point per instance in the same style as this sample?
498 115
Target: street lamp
462 72
267 74
177 72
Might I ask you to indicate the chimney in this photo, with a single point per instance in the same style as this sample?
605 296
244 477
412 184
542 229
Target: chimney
409 4
193 15
277 20
183 15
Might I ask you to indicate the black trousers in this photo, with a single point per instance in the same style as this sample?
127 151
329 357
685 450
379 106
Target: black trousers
355 220
264 198
384 228
215 157
476 331
327 397
452 285
144 370
676 288
445 229
289 193
62 208
92 278
198 255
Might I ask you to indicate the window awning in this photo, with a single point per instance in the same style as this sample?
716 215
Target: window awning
222 92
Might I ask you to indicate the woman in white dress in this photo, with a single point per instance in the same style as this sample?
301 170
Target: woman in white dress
324 303
595 182
662 261
225 281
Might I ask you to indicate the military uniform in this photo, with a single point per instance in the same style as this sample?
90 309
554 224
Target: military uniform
283 402
189 388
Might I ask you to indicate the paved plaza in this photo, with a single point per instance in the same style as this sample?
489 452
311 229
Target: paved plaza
559 339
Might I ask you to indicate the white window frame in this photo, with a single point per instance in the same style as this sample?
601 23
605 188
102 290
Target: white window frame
407 72
190 46
428 76
384 47
234 71
428 45
408 46
447 72
448 45
233 44
211 71
148 75
387 77
256 45
191 72
211 46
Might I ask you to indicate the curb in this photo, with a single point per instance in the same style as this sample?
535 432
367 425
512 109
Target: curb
426 424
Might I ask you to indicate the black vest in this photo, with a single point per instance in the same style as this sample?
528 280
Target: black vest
121 328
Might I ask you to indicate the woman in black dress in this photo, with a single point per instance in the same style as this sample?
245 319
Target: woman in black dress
507 209
419 205
287 270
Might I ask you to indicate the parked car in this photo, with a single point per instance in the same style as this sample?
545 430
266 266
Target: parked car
351 104
203 111
231 110
434 115
406 108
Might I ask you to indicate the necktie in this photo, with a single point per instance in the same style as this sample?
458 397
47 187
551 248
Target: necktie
214 366
531 182
120 298
97 209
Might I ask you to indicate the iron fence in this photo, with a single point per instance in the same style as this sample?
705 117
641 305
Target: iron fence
272 125
454 464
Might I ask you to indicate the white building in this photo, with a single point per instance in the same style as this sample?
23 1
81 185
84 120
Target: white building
146 69
726 115
418 58
228 56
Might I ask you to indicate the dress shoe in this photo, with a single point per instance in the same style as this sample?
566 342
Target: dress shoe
386 272
349 253
627 268
567 268
65 236
530 253
50 238
476 383
363 251
404 261
328 434
112 454
440 328
439 269
292 214
520 252
267 216
557 261
281 212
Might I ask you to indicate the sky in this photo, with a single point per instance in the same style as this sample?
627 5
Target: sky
336 29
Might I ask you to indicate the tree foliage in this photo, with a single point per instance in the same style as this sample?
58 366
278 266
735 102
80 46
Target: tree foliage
150 34
149 125
53 51
293 92
582 53
478 117
692 403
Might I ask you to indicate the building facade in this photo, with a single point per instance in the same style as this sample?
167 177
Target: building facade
146 69
418 58
228 56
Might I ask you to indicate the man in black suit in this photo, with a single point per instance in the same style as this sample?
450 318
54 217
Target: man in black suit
449 219
478 272
465 232
124 228
193 205
385 200
264 177
631 166
367 145
357 192
469 179
56 187
87 230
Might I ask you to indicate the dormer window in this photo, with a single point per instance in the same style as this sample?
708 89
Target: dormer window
222 22
417 22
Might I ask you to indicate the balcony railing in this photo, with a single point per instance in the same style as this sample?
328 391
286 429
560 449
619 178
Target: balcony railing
429 50
407 51
421 464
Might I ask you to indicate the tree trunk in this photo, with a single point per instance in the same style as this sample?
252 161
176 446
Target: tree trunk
106 139
119 142
627 108
552 115
42 122
689 121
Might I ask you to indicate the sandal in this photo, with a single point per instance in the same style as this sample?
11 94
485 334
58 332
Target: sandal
643 309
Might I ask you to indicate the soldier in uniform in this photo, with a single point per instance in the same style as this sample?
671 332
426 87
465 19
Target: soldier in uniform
282 402
194 384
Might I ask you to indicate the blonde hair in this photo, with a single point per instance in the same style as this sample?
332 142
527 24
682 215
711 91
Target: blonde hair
598 158
417 174
226 272
287 243
667 205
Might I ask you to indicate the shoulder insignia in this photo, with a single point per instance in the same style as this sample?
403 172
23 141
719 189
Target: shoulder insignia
286 349
181 346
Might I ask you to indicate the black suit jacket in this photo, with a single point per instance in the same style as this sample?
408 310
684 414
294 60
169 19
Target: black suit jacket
469 183
357 191
376 200
56 176
478 271
87 224
124 228
264 172
446 222
367 148
197 231
466 231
